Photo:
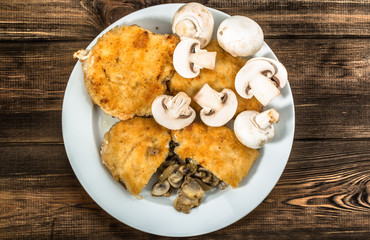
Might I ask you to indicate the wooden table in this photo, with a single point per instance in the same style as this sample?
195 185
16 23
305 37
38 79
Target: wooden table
324 191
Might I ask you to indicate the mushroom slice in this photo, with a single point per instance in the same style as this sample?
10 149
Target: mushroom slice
173 112
223 185
204 186
218 107
188 58
192 189
160 188
261 77
193 20
175 179
254 129
167 172
240 36
215 181
184 204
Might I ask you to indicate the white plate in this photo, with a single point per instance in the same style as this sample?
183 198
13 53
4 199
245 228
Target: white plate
85 124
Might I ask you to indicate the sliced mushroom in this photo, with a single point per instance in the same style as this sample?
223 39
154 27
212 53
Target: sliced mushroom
208 178
192 189
188 58
254 129
173 112
184 204
218 107
184 170
222 185
204 186
240 36
262 78
193 20
215 181
167 172
200 175
160 188
175 179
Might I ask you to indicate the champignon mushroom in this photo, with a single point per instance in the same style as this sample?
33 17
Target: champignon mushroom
173 112
188 58
218 107
254 129
175 179
193 20
192 189
240 36
262 78
160 188
184 204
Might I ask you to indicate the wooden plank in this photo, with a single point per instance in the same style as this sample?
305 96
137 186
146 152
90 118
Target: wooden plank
323 192
83 20
329 80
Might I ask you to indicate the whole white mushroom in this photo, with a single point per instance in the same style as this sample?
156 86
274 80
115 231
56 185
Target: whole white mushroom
254 129
240 36
193 20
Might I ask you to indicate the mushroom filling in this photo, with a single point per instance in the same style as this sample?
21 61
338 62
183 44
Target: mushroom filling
190 179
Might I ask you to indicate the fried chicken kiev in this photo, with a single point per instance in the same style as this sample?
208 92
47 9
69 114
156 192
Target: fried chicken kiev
216 149
132 151
223 76
126 69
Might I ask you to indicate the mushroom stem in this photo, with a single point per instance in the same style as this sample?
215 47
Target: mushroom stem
209 99
178 105
203 59
188 27
267 118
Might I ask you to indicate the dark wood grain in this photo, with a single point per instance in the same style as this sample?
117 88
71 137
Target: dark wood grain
329 80
84 19
325 185
324 192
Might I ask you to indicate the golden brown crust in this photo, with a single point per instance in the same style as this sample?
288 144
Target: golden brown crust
132 151
127 69
216 149
223 76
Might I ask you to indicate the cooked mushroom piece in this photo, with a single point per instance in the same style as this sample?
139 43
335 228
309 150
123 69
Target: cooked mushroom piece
184 204
167 172
222 185
261 77
192 189
175 179
193 20
254 129
215 181
160 188
240 36
218 107
208 178
188 58
173 112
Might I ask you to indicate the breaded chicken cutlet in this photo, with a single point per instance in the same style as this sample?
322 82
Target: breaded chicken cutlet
126 69
223 76
216 149
132 150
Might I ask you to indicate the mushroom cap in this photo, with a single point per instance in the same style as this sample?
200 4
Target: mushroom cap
249 133
173 112
181 61
240 36
261 77
222 115
194 20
